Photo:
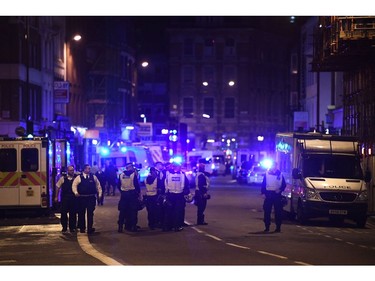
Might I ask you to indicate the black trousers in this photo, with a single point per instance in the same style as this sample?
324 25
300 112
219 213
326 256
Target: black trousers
128 210
69 212
175 212
201 204
273 199
86 205
152 211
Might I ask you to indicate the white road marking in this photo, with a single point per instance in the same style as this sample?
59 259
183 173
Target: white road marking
238 246
86 246
273 255
245 248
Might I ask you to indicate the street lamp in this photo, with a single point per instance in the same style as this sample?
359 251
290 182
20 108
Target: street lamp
144 117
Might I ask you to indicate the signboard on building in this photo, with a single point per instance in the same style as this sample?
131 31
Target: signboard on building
91 134
144 129
99 120
61 92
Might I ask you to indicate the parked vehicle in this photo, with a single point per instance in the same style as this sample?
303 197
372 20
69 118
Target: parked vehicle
214 160
256 174
138 155
243 171
29 169
323 175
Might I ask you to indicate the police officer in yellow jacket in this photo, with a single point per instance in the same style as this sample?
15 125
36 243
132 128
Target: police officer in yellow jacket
176 186
128 205
272 186
151 198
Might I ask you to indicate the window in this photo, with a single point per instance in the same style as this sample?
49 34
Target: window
208 107
208 74
188 74
8 160
229 47
29 160
209 47
229 108
229 73
188 107
188 47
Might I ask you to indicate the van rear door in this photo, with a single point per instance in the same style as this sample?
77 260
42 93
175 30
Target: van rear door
31 178
9 176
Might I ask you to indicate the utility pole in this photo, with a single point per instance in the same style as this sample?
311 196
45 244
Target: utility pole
28 121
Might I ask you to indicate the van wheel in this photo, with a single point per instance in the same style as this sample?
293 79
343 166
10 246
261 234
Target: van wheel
361 222
301 217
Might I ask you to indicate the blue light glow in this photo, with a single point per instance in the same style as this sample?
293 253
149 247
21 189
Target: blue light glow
104 151
266 163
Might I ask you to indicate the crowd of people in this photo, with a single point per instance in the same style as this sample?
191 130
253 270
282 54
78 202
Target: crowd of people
166 192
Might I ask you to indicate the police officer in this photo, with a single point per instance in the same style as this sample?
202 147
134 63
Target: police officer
151 198
176 186
128 205
160 209
86 187
272 186
202 182
68 201
101 175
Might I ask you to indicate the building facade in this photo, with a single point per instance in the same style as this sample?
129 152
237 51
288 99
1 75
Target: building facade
228 84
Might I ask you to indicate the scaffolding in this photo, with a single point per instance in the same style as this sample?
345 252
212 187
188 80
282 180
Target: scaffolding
347 44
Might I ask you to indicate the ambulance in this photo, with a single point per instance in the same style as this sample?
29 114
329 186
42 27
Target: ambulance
29 169
140 156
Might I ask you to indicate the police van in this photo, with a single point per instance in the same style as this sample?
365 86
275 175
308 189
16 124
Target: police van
29 168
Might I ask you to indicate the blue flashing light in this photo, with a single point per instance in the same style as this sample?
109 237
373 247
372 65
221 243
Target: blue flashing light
123 149
266 163
176 159
104 151
173 138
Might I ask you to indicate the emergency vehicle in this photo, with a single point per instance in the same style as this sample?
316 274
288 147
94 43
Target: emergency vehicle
140 156
29 169
214 160
324 176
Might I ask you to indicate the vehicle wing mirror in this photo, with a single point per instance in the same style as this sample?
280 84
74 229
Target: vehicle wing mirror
368 176
296 174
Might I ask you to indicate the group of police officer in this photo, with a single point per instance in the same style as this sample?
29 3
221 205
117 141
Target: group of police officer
78 195
167 190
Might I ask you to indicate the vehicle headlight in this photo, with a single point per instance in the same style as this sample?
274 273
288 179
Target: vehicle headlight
311 194
362 196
